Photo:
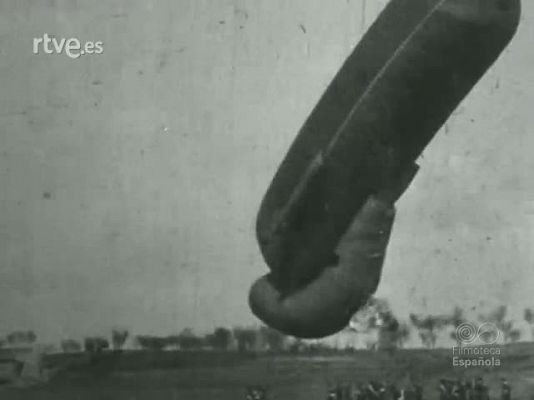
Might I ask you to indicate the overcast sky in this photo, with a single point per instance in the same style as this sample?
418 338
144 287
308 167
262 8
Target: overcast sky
130 180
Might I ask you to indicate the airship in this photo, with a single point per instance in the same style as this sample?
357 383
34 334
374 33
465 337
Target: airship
325 221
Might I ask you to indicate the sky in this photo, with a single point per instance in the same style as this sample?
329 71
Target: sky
130 180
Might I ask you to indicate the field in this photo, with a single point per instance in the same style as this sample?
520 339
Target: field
175 375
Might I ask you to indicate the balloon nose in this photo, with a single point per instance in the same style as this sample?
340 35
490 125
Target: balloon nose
325 305
306 314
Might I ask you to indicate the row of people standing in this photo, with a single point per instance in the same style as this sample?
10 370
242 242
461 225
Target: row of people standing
474 389
374 390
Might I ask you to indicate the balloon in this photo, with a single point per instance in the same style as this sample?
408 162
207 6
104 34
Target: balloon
356 154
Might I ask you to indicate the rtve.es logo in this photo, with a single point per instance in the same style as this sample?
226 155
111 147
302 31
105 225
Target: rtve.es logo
72 47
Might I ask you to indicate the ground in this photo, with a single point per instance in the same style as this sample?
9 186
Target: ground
171 376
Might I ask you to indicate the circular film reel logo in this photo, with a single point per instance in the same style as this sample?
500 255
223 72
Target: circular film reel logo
468 333
489 333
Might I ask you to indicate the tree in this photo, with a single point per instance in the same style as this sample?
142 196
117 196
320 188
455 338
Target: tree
118 338
497 317
21 338
173 340
246 339
189 341
95 345
274 339
529 318
504 327
71 346
428 327
378 316
219 339
514 336
402 335
298 346
388 329
529 315
456 320
153 343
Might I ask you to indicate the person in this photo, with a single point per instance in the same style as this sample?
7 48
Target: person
418 391
356 393
363 392
409 392
332 393
392 392
396 392
443 389
480 390
383 391
260 393
468 388
460 390
255 393
339 392
372 392
506 390
345 391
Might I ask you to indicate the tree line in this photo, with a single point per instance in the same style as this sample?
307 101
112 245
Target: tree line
391 333
377 319
221 339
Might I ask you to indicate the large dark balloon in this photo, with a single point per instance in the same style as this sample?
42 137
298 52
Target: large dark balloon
356 153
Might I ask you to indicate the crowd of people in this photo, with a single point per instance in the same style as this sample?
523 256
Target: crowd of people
464 389
374 390
474 389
